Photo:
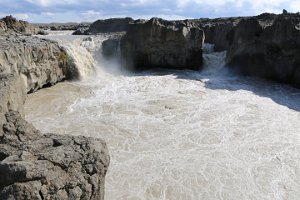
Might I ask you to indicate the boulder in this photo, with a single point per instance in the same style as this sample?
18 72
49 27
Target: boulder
269 49
37 166
163 44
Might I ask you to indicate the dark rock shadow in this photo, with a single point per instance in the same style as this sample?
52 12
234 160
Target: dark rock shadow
282 94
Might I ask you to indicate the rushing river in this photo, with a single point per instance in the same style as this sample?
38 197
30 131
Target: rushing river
179 134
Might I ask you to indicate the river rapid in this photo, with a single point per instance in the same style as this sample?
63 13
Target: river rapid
178 134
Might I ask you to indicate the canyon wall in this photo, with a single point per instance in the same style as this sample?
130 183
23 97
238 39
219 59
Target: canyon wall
267 47
34 165
39 62
163 44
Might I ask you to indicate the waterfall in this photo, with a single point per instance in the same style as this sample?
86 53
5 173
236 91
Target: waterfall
79 52
181 134
83 52
213 61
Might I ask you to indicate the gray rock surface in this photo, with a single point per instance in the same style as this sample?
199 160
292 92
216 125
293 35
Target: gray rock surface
11 24
12 95
111 48
110 25
81 31
39 62
267 46
217 30
163 44
62 26
34 165
37 166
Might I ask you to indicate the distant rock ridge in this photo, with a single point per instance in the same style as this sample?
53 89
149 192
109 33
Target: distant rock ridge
10 24
110 25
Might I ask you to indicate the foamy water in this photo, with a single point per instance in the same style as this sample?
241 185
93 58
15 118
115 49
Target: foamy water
183 134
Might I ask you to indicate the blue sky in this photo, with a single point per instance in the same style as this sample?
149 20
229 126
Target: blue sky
90 10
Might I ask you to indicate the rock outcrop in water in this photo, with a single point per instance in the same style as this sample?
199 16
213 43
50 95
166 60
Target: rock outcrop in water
37 166
39 62
163 44
267 46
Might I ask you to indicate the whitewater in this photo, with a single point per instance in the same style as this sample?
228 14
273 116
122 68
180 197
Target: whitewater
178 134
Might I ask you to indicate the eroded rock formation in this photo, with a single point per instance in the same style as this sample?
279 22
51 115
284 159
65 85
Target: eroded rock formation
11 24
163 44
267 48
110 25
39 62
35 165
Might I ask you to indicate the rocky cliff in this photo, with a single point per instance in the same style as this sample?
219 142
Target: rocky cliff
267 47
39 62
35 165
163 44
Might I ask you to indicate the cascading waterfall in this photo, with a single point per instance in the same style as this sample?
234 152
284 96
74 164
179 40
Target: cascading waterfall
213 61
181 134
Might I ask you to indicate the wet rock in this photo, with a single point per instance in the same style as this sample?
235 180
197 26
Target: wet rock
81 31
217 33
163 44
37 166
111 47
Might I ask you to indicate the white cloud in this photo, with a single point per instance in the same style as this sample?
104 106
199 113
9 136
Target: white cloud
22 16
46 3
91 15
76 10
49 14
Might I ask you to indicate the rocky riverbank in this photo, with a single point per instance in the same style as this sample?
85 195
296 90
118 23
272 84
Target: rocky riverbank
35 165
